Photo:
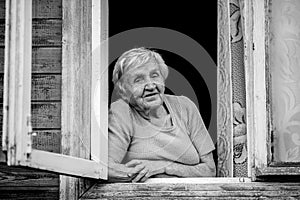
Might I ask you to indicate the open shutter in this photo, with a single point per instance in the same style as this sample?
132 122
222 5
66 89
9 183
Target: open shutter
78 88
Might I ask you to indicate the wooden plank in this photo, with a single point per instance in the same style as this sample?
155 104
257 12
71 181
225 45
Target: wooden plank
34 193
2 9
12 178
192 198
46 115
45 32
211 194
2 59
45 87
76 105
2 155
47 140
211 190
1 117
47 9
271 171
1 89
40 9
198 180
25 171
2 32
224 107
63 164
15 180
44 60
247 186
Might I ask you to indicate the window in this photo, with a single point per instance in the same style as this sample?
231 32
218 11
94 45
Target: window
85 48
84 55
272 98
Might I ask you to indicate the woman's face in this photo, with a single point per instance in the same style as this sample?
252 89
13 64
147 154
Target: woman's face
144 86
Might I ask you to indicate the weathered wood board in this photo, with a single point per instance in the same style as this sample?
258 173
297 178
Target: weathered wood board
48 140
251 190
44 60
26 177
24 183
2 155
45 32
46 115
2 9
45 87
22 193
47 9
40 9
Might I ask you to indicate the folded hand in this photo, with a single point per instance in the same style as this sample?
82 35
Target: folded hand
150 168
121 173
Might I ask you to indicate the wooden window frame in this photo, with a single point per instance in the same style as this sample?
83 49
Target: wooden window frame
258 100
224 83
71 32
17 130
255 20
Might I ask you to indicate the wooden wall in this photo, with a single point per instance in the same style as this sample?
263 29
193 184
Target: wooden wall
20 183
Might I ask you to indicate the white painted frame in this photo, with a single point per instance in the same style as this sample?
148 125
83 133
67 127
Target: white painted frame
99 135
259 124
17 80
17 128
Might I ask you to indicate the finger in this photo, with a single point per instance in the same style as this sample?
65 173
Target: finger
135 170
145 177
140 175
133 163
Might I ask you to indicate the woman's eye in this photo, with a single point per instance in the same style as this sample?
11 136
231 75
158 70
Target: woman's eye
154 75
137 80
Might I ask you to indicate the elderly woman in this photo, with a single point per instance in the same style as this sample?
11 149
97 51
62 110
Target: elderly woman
152 134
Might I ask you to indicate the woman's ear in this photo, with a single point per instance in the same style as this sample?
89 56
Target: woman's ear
122 91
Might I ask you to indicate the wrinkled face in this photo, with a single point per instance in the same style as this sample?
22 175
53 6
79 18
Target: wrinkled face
144 86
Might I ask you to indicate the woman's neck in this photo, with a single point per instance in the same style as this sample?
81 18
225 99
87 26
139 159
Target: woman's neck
156 113
159 112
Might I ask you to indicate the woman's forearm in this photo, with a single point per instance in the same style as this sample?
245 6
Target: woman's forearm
199 170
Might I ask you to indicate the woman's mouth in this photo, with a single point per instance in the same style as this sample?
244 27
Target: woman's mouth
150 95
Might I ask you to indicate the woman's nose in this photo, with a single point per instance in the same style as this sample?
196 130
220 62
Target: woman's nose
149 85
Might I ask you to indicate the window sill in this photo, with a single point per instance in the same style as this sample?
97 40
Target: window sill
197 180
191 188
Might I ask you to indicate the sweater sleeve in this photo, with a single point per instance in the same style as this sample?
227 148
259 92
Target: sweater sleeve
119 131
198 132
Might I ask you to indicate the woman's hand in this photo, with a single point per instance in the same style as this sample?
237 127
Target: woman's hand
150 168
121 173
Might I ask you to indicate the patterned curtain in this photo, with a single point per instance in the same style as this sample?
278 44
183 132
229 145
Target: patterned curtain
239 90
285 79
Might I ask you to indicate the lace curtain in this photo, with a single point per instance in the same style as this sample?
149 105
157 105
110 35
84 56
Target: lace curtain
285 79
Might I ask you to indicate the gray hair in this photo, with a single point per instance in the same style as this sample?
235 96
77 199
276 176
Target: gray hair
134 58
